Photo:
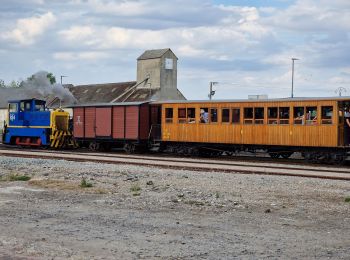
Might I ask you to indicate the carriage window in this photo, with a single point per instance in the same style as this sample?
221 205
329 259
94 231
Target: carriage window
225 116
272 115
299 113
213 115
182 115
13 108
284 115
204 116
236 116
191 115
248 115
169 115
259 115
327 115
311 115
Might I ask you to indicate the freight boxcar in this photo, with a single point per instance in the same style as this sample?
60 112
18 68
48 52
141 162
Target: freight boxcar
312 126
104 126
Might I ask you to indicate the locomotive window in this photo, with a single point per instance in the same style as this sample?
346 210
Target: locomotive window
13 108
311 115
284 115
168 115
248 115
236 116
327 115
204 116
259 115
272 115
213 115
39 107
27 106
182 115
225 116
299 113
191 115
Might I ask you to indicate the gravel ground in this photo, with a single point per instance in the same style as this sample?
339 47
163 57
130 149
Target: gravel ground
133 212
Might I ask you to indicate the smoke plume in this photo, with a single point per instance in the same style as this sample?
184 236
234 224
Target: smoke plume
38 86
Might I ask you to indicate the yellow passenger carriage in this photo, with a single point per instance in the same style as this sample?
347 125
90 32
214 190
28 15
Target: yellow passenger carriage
313 126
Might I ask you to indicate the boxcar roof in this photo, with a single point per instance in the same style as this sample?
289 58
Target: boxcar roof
298 99
109 104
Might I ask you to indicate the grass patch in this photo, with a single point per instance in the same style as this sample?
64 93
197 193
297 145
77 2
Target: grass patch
347 199
85 184
136 189
15 177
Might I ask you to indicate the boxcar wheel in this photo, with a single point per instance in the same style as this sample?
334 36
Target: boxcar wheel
93 146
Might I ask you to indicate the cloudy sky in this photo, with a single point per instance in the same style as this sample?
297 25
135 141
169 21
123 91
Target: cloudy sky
244 45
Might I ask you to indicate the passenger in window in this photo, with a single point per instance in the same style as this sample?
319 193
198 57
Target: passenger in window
204 116
347 126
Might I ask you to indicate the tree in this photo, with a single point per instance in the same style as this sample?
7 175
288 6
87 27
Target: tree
52 78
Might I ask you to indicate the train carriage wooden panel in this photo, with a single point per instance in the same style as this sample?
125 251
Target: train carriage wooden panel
103 121
78 121
313 133
119 122
89 121
132 122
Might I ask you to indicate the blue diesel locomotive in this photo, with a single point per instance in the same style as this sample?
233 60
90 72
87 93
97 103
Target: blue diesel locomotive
30 123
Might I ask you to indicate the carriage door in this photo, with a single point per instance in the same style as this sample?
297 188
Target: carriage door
343 131
103 121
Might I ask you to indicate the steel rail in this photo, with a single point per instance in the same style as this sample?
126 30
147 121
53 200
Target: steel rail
202 165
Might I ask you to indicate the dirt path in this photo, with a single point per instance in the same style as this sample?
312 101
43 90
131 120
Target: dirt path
140 212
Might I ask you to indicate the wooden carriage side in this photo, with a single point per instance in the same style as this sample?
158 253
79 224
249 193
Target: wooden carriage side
310 122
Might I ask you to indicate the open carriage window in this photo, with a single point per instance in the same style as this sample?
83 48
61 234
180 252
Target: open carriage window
213 115
259 115
248 115
327 115
311 115
204 115
284 115
299 113
191 115
272 115
169 115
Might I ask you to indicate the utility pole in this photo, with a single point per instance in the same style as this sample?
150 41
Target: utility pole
62 76
211 91
293 59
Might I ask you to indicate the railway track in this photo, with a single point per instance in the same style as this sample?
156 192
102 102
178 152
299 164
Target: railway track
247 167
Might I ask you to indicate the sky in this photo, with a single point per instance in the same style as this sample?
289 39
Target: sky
245 46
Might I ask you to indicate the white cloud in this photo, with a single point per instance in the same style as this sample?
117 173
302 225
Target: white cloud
27 30
77 33
76 56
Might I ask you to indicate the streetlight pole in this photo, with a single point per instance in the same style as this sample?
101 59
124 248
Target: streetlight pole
293 59
211 91
62 76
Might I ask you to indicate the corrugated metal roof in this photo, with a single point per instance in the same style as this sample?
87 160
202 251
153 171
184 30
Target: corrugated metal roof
108 104
153 54
111 92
